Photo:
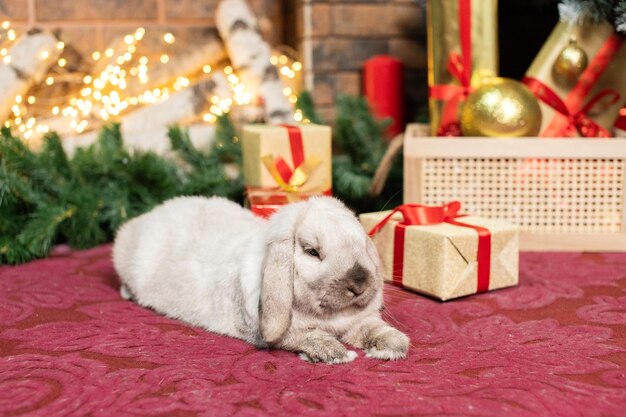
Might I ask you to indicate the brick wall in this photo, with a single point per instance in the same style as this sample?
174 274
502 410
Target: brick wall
90 25
336 37
333 37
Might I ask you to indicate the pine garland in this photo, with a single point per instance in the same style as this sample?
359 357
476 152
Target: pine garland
620 17
612 11
46 198
306 106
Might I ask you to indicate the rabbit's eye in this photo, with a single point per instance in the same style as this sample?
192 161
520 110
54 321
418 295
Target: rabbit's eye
312 252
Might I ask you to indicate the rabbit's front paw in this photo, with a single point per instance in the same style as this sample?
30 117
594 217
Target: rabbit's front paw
327 350
389 344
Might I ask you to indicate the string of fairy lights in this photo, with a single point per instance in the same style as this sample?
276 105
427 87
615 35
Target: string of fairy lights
99 89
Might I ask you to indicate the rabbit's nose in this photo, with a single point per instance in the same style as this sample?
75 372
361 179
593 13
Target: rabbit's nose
356 279
356 289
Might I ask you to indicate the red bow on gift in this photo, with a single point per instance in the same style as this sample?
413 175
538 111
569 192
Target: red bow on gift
577 120
460 66
420 215
288 179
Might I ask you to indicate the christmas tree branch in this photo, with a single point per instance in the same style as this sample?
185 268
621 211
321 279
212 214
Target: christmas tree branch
47 198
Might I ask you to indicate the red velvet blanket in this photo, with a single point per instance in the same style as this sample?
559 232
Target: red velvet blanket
554 346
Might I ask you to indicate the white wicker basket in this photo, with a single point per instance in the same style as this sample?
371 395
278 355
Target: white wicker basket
565 194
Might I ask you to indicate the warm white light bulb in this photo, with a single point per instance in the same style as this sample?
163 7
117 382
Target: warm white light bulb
169 38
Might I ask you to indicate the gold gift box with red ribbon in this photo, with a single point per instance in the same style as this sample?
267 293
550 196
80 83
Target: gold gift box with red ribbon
462 52
287 158
590 105
438 252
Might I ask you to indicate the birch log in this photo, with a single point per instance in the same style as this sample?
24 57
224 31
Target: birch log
31 56
187 63
180 107
62 124
146 128
250 56
151 140
118 47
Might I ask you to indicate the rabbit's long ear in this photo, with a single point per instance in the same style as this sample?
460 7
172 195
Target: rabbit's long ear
278 275
277 291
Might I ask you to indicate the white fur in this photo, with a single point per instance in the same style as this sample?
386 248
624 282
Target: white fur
188 257
213 264
348 357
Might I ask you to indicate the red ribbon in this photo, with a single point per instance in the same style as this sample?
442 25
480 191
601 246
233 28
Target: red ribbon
264 202
420 215
460 66
577 120
561 124
296 146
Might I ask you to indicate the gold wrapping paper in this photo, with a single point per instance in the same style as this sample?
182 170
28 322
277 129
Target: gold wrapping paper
589 37
440 260
443 38
260 140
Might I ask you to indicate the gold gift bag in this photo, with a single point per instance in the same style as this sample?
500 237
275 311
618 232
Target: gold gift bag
294 158
589 105
462 51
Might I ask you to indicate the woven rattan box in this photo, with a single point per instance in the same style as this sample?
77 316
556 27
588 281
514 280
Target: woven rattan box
565 194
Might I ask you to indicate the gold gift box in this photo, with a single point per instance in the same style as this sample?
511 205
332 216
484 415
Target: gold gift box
440 260
590 38
261 140
443 38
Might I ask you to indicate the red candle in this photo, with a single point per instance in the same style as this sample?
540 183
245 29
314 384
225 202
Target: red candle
383 78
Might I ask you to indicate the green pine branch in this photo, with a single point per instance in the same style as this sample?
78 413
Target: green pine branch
612 11
306 106
226 147
620 17
209 174
40 232
349 180
360 136
359 133
48 198
181 143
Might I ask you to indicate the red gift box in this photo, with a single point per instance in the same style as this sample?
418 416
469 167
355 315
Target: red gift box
265 202
264 205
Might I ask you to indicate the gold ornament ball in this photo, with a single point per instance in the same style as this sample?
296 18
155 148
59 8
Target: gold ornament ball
570 63
501 108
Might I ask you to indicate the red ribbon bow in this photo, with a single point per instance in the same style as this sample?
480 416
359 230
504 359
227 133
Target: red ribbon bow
460 66
297 153
577 120
420 215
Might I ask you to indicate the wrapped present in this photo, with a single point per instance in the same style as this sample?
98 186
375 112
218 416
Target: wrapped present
578 76
462 51
437 252
264 202
289 158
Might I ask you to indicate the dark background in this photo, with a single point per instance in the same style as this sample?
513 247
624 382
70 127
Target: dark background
523 27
